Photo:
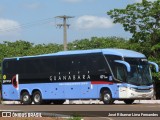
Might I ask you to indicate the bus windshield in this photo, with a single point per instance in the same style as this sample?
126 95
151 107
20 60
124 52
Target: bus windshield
140 72
139 75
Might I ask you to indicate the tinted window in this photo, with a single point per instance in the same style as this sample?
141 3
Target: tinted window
120 73
136 61
9 66
47 65
113 65
98 63
30 65
83 62
63 63
79 63
88 62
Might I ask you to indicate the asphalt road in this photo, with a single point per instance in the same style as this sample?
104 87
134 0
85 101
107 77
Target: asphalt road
99 112
83 107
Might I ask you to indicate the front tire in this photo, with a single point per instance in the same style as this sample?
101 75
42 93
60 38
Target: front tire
37 98
26 98
107 97
128 101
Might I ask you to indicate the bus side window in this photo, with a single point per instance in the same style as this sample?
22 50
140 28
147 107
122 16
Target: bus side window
98 63
79 63
20 67
47 65
83 63
75 61
63 64
29 68
120 73
5 66
10 67
111 59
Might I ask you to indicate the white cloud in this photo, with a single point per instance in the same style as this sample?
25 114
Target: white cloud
9 27
93 22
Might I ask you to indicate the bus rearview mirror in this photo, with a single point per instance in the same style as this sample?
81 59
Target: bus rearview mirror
154 64
124 63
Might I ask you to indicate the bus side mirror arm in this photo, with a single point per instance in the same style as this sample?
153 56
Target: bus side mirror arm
124 63
155 64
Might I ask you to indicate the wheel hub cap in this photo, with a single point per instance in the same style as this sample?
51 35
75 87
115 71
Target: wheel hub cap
37 98
106 97
26 98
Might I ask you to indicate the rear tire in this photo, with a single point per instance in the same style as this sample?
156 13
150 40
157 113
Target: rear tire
26 98
129 101
107 97
37 98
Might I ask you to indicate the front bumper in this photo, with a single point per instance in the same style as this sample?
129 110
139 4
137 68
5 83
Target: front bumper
129 93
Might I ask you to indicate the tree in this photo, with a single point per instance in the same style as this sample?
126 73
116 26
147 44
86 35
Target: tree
101 42
142 20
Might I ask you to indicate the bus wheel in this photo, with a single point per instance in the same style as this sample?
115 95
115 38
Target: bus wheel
107 97
130 101
25 98
58 102
37 98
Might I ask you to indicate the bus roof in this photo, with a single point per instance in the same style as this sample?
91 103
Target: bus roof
108 51
123 53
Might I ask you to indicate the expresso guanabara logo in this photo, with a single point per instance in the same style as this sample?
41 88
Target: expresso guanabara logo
6 80
4 77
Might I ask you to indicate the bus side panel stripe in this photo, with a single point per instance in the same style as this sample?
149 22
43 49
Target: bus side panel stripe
101 82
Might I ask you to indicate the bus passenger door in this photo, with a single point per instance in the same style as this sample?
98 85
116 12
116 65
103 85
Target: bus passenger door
122 88
120 74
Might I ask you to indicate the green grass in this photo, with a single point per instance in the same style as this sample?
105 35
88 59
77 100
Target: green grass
75 118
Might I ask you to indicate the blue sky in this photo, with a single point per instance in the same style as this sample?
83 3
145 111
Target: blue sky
33 20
